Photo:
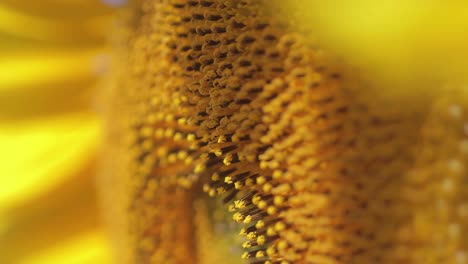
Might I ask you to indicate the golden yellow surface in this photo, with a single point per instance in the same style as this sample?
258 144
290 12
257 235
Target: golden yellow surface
51 55
51 149
401 44
256 131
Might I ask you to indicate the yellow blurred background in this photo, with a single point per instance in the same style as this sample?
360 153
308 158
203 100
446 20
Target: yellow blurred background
53 54
399 47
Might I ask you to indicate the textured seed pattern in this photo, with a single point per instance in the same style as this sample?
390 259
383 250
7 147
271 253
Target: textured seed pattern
220 97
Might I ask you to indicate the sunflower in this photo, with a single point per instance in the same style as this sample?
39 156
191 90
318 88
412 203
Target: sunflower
249 131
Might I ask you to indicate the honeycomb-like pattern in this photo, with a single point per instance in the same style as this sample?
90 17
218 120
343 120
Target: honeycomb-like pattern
219 96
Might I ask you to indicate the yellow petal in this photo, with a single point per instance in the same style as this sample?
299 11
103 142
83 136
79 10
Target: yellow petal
52 218
69 29
395 42
59 8
86 248
38 154
35 68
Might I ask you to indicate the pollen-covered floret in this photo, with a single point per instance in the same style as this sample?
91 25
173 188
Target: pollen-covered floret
221 97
